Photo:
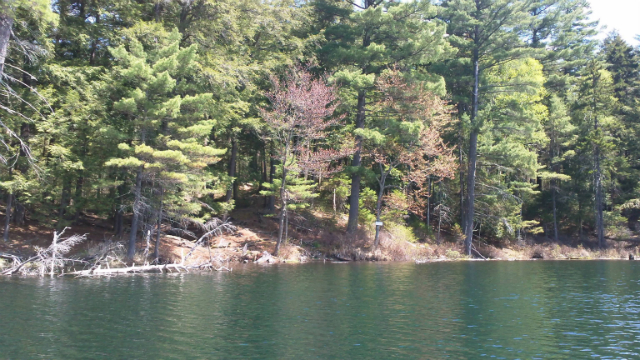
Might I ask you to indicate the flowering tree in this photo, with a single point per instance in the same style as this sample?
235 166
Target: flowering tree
408 145
301 110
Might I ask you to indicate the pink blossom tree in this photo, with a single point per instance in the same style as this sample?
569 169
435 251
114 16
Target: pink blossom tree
301 110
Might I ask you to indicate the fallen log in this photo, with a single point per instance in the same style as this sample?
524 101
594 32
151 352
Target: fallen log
131 269
166 268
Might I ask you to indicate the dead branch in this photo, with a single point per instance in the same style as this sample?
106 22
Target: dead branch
213 227
52 257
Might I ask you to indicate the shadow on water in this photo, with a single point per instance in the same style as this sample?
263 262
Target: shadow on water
440 310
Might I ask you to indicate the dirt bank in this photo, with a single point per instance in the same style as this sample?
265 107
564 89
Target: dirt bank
255 237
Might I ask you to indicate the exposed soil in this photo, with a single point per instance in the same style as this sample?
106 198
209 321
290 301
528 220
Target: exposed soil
317 236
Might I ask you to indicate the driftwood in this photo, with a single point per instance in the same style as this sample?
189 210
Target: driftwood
166 268
477 252
51 258
131 269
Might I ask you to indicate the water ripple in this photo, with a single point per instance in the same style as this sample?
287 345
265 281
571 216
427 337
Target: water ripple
447 310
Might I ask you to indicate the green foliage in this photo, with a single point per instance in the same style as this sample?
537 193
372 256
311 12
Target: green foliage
367 201
299 191
166 90
401 232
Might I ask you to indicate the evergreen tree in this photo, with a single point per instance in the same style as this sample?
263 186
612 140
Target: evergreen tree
487 34
364 39
509 142
24 27
166 120
623 62
560 132
594 115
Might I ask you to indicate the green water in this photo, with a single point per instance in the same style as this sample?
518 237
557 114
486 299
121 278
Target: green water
465 310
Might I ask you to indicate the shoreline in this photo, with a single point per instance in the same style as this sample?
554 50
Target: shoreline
175 269
253 242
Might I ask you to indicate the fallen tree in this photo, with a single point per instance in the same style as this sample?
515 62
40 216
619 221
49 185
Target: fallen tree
53 260
50 260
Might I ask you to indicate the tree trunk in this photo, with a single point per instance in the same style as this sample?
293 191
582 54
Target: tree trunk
7 220
280 228
283 197
263 171
334 201
376 240
286 228
156 250
94 42
460 163
520 240
555 210
599 200
354 198
232 193
157 9
19 213
473 152
598 174
439 226
271 206
6 23
471 182
118 218
136 215
580 234
463 213
381 182
429 204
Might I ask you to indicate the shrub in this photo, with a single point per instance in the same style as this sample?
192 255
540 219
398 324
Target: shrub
452 254
401 232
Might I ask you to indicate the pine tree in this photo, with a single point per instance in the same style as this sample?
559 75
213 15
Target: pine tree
166 118
568 41
560 132
623 62
23 43
562 29
487 34
594 115
364 39
509 142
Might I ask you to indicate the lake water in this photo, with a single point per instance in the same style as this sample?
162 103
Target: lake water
463 310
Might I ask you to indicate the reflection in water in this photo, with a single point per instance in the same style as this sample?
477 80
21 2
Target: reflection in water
442 310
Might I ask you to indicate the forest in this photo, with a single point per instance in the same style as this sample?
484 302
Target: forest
467 122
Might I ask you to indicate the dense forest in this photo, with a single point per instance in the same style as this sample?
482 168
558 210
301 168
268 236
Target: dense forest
486 120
